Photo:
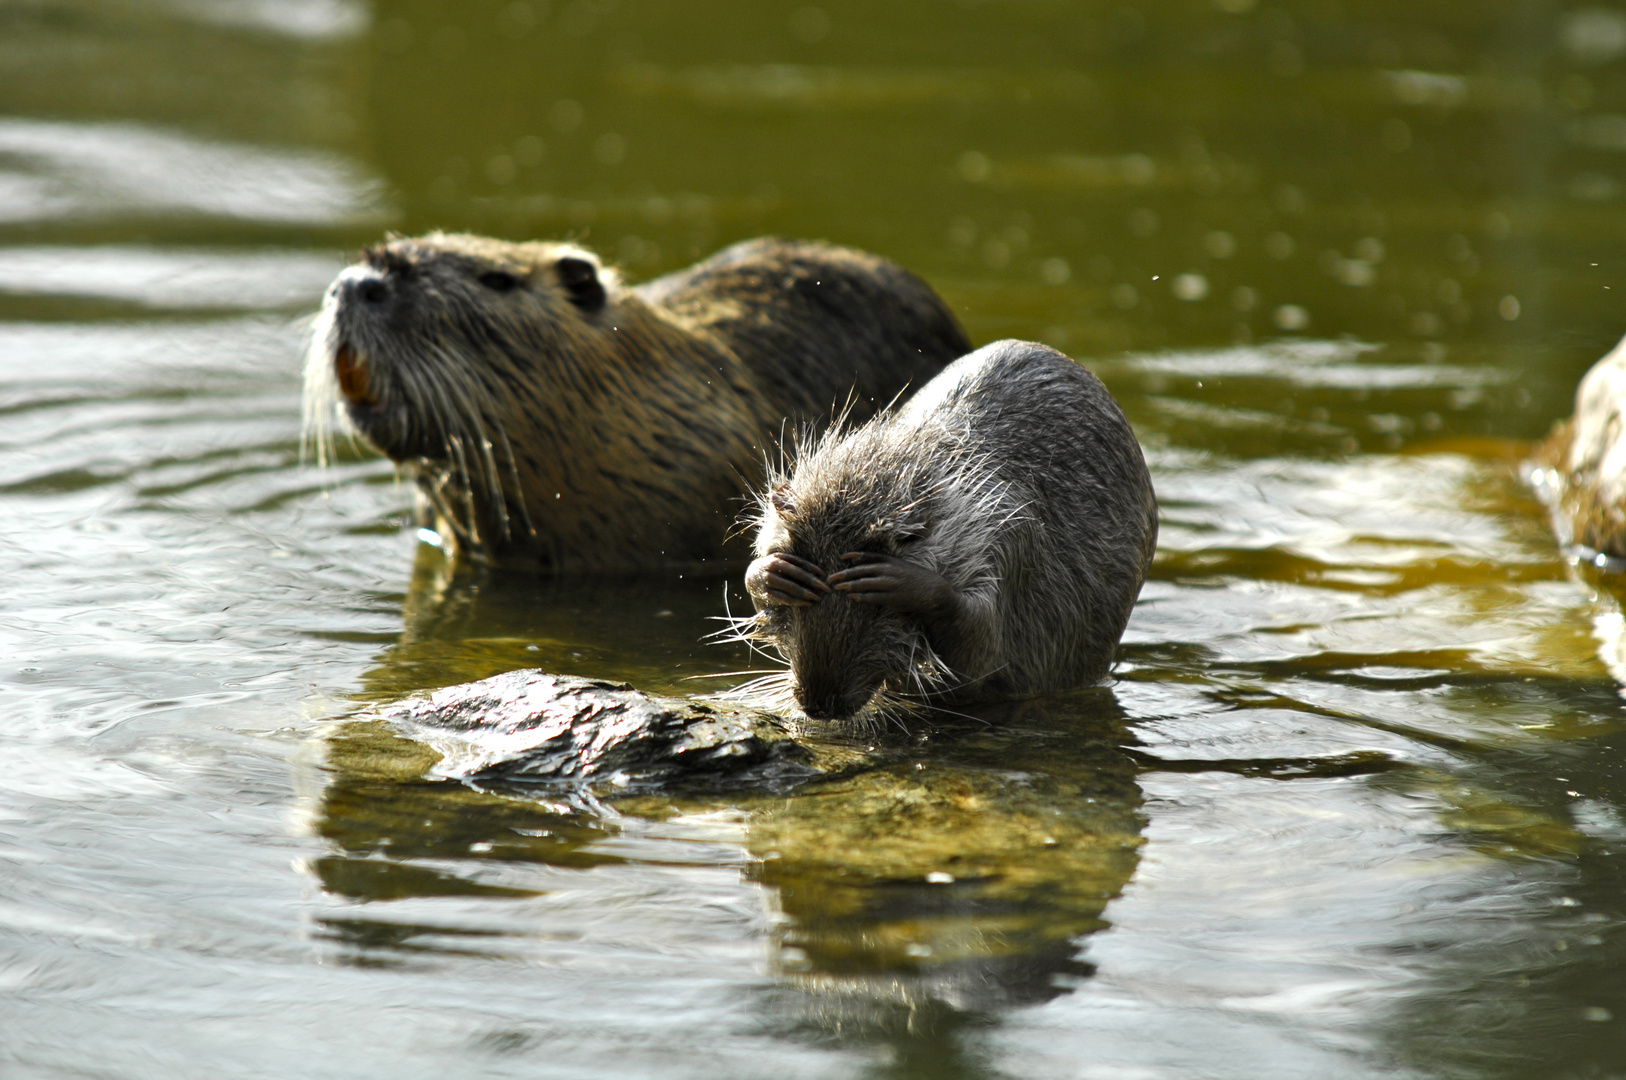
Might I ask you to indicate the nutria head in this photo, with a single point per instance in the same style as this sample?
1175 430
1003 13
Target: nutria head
547 413
422 340
873 490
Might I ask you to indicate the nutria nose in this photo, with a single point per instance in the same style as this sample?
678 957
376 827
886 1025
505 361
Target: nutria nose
821 705
362 285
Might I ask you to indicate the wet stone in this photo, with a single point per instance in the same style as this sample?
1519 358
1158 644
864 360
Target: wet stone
530 726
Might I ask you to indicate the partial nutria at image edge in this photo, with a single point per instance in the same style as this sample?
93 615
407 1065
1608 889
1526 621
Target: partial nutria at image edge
1581 465
985 541
556 420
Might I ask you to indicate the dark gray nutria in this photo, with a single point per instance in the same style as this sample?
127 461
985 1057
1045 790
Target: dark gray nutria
985 541
556 420
1583 461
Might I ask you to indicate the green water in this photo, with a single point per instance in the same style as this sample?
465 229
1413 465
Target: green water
1352 806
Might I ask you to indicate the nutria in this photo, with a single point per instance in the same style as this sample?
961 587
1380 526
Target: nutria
1583 462
556 420
985 541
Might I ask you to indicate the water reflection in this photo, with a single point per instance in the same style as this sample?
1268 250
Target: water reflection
165 278
461 623
81 172
955 872
964 872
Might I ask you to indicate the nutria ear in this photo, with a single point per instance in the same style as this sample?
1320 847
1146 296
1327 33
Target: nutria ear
783 501
580 279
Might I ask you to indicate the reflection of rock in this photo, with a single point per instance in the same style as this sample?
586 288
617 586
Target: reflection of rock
962 873
399 834
952 871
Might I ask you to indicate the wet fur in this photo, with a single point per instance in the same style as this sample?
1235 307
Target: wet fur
1583 461
1014 475
568 423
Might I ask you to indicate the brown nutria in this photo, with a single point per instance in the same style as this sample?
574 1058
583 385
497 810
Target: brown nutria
984 541
556 420
1582 463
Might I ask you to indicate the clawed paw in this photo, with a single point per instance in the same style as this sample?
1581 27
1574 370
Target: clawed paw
883 579
786 579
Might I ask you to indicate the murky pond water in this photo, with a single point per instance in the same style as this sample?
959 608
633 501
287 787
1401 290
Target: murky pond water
1351 807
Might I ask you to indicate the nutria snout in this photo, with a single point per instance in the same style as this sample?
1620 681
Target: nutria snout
557 420
984 541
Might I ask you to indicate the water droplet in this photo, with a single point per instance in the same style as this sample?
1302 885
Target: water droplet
1189 287
565 116
501 170
1426 324
1369 248
974 166
1291 317
529 151
610 149
1219 244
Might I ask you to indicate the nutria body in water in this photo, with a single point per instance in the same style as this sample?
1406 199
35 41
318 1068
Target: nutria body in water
985 541
555 420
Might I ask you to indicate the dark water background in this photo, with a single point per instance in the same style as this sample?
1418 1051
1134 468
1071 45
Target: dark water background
1352 807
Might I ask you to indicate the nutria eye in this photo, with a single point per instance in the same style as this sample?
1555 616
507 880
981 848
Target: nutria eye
499 281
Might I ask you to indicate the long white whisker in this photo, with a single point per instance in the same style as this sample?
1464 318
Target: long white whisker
729 674
458 399
321 393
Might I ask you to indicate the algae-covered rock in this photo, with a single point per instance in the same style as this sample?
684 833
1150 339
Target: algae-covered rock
531 726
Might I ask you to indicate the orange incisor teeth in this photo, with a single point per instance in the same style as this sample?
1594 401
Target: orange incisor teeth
351 370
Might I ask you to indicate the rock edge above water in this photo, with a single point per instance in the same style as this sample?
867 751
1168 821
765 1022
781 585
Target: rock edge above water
532 726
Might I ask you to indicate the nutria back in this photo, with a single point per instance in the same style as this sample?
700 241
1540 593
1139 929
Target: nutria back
557 420
813 322
1013 477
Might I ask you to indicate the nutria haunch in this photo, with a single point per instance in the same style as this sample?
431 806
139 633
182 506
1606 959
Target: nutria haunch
985 541
556 420
1582 464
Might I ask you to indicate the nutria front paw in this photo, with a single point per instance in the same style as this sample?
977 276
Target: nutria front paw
785 579
905 586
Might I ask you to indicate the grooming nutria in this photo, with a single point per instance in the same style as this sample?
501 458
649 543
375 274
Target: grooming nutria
984 541
557 421
1585 461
